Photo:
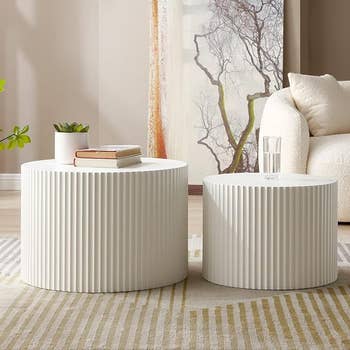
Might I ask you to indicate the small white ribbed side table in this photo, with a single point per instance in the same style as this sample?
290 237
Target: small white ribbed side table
270 234
104 230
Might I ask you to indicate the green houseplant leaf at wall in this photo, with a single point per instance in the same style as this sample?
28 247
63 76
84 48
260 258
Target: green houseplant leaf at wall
18 136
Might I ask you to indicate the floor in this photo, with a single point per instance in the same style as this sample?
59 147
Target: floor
10 216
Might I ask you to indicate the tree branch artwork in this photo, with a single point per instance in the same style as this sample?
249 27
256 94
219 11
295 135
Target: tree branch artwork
241 36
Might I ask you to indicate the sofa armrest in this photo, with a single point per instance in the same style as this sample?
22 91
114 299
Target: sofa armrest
281 118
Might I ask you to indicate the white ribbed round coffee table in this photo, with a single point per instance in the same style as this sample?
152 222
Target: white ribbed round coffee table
270 234
104 230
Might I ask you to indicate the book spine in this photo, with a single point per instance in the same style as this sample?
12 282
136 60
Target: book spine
93 156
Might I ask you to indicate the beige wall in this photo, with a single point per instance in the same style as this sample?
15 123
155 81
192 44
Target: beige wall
123 71
84 60
328 38
292 33
317 37
87 60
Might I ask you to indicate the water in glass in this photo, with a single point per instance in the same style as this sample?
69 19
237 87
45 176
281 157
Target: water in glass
272 164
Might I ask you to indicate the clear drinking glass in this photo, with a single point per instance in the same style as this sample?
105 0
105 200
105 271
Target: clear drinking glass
272 157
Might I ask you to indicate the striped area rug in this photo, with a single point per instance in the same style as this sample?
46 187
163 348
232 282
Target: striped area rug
343 254
183 316
9 256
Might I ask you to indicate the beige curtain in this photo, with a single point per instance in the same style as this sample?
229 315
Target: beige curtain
167 124
156 142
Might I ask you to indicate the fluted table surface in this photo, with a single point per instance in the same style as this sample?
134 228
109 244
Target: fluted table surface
104 229
269 234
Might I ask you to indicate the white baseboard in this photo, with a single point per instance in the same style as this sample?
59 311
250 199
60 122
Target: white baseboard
10 182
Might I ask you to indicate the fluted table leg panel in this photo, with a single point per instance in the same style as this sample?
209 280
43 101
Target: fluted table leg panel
270 237
104 232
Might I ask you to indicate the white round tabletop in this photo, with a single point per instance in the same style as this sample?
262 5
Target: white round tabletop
258 180
147 164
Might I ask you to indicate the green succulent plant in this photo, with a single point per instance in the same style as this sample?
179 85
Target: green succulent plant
71 127
18 137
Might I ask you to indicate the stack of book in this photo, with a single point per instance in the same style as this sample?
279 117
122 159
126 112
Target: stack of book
108 156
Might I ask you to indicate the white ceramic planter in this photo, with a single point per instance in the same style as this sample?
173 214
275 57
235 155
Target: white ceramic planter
66 143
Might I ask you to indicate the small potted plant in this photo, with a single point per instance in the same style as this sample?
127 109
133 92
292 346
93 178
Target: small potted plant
68 138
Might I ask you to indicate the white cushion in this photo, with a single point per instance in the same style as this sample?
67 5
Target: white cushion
281 118
330 156
323 101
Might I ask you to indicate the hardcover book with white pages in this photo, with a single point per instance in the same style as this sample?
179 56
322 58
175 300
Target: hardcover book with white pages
109 152
107 163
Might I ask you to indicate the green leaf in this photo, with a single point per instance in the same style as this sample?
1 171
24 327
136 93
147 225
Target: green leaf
2 146
86 129
25 139
75 125
78 128
12 144
16 130
2 85
25 129
66 127
20 142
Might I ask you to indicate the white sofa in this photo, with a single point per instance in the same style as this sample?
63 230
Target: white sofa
302 153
